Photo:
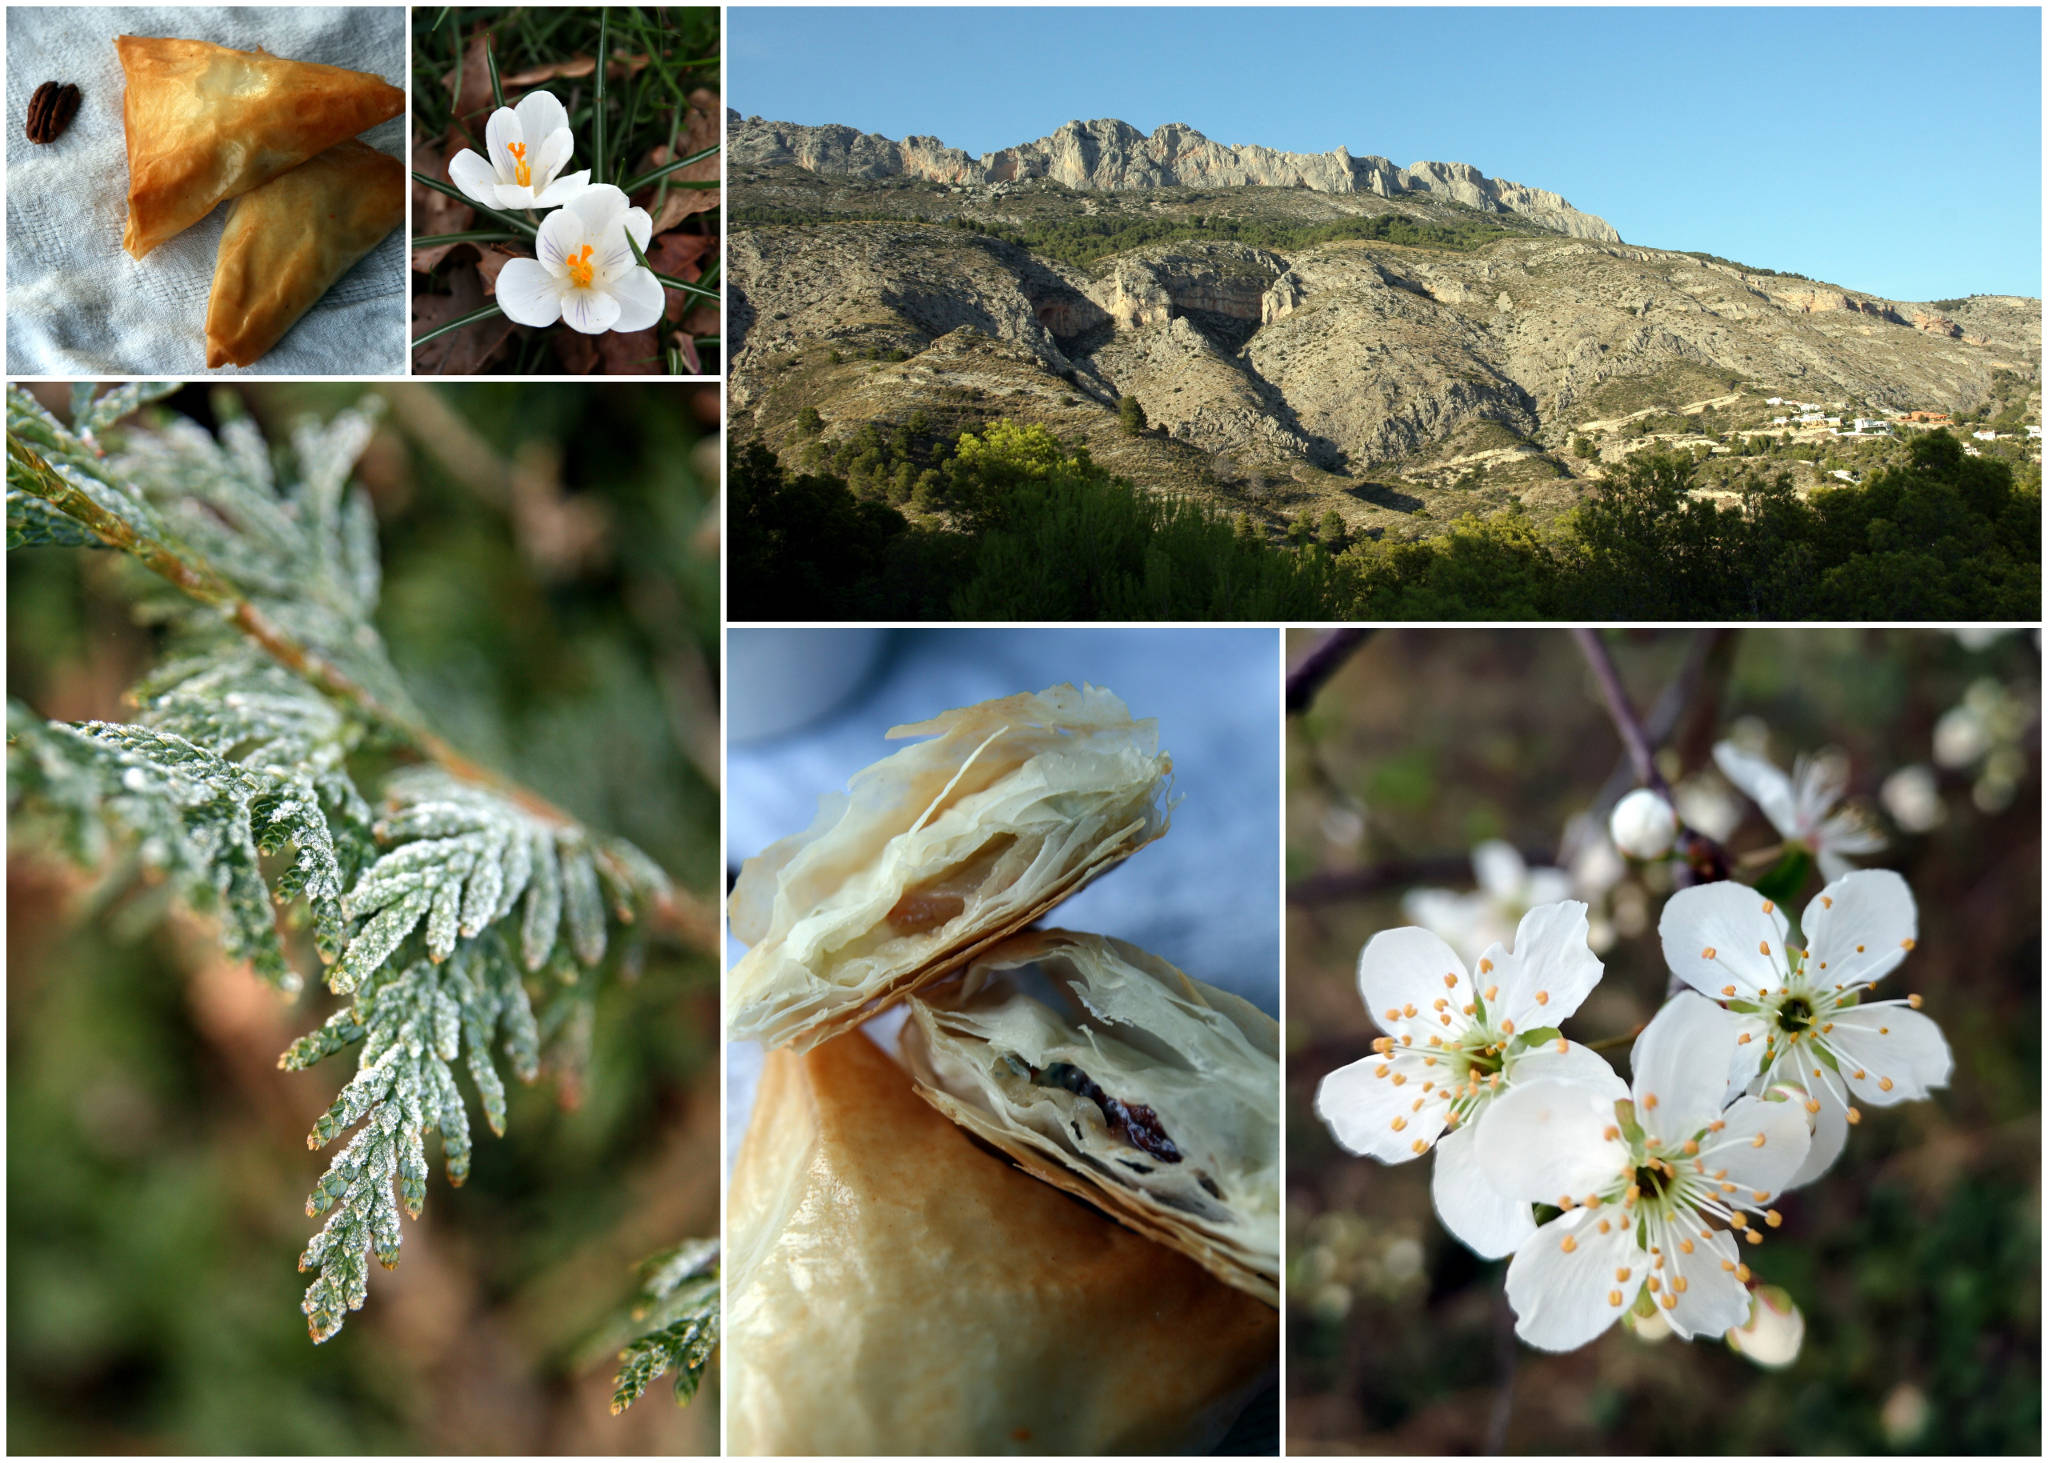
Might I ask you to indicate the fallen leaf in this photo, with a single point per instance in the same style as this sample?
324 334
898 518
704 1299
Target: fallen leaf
473 104
576 351
462 352
573 67
702 126
434 212
631 353
493 263
680 256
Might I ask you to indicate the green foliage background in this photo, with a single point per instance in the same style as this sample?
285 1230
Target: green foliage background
551 599
1916 1259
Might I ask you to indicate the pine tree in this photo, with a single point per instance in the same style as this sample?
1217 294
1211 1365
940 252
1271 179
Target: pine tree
462 919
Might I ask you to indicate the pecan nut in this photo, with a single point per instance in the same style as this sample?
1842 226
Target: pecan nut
50 111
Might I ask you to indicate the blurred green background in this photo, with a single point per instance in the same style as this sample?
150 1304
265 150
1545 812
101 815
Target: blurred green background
1915 1260
551 598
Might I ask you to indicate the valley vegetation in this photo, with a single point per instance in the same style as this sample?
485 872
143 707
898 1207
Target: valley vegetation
1009 523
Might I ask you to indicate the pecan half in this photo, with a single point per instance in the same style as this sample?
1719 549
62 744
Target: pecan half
50 111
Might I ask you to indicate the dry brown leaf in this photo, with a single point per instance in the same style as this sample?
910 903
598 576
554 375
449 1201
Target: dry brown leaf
462 352
702 126
573 67
630 353
576 351
434 212
473 104
492 264
680 256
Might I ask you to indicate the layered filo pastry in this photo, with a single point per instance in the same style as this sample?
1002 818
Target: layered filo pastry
205 123
893 1288
936 852
1106 1071
288 241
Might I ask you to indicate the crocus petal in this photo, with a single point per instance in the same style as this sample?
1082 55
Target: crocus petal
1760 1170
1402 973
1551 969
528 294
1488 1222
499 133
641 299
1767 787
1890 1053
561 236
1565 1283
1546 1141
548 158
564 188
591 311
598 206
514 196
1679 1067
1369 1113
1724 940
1498 869
540 117
1859 928
469 171
1712 1298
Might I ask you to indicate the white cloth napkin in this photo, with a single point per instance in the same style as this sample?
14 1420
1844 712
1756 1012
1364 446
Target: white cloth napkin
77 305
1205 897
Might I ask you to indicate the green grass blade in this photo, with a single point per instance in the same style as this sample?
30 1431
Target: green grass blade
486 313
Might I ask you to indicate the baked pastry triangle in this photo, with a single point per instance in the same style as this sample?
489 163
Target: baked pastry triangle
287 242
892 1288
205 123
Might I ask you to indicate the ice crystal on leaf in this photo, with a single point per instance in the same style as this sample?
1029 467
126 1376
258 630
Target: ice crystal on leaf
233 784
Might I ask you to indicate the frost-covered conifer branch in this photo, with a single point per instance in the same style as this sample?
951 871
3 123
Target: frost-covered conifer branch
233 783
677 1323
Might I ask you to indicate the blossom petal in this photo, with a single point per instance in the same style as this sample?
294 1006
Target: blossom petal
1564 1297
1830 1136
554 150
1758 1168
1724 940
1679 1067
1546 1140
541 116
1575 1063
591 311
1701 1294
499 134
1402 973
1767 787
1369 1113
1499 869
528 293
562 189
1490 1223
641 299
1551 969
599 206
561 236
1890 1044
1859 928
469 171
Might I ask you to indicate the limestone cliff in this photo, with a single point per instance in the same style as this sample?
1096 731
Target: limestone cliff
1115 156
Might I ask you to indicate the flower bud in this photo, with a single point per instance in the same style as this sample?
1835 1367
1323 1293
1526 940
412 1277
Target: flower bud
1771 1335
1643 825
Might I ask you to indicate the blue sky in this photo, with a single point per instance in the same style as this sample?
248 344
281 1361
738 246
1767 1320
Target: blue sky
1896 151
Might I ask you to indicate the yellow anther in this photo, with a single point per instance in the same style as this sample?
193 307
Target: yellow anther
1752 1236
1656 1283
1757 1141
1566 1201
1884 1031
1486 968
1450 981
1614 1297
1717 1125
1569 1244
1685 1246
1855 1115
581 272
1418 1145
1382 1069
1407 1010
1543 998
1612 1133
1773 1218
1742 1040
1729 1266
1727 990
1827 902
1507 1028
1763 947
1884 1084
1708 953
1759 1195
1400 1122
1399 1079
1492 991
1906 944
1605 1226
1679 1283
1742 1273
1692 1146
1417 1105
1669 1302
1563 1046
1623 1274
1859 949
1768 906
1813 1104
1913 1001
522 171
1649 1101
1445 1018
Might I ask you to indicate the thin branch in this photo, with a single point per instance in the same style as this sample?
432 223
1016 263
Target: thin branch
1322 661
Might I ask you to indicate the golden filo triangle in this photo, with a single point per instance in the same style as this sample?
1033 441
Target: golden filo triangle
205 123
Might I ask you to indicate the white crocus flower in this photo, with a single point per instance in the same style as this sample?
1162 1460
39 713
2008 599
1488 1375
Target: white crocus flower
1453 1045
1508 889
1801 1016
528 145
585 272
1642 1174
1802 807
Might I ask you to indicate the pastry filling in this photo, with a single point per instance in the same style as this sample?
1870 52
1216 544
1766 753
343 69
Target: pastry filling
1133 1122
580 267
521 171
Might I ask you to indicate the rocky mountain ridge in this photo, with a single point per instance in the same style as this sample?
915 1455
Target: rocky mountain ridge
1108 155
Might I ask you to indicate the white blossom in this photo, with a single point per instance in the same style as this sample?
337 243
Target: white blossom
1804 807
1508 889
585 272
